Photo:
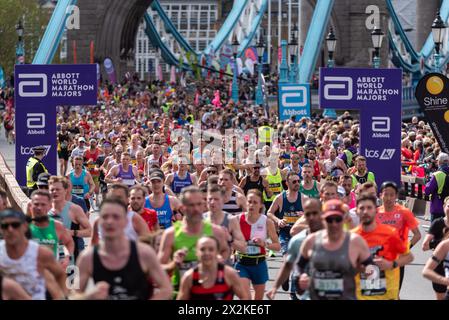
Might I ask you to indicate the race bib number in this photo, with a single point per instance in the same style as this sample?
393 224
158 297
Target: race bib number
373 282
78 190
275 187
129 182
328 284
291 217
63 145
253 250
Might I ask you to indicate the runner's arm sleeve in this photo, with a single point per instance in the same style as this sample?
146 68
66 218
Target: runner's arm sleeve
302 264
368 261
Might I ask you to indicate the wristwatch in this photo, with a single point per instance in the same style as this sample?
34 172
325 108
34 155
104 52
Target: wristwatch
75 232
395 264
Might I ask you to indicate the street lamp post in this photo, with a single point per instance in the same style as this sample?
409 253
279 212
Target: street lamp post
438 28
283 69
331 43
235 87
377 36
293 52
20 54
259 93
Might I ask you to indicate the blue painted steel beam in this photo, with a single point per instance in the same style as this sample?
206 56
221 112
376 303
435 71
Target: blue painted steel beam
53 33
170 27
228 26
314 39
255 25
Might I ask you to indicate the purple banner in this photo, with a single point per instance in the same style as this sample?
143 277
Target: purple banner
38 90
377 94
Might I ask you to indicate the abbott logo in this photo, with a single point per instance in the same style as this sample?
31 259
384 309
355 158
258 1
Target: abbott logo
36 120
39 79
345 83
380 124
297 93
387 154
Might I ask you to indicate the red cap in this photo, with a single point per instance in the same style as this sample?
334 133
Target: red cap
333 207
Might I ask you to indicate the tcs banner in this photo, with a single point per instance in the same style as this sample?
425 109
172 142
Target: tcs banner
294 100
38 90
377 94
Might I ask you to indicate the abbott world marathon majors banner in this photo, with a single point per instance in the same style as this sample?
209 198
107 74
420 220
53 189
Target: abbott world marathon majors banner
432 93
39 89
377 94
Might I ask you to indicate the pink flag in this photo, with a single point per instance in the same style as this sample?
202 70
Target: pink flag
197 99
173 75
280 54
160 76
217 102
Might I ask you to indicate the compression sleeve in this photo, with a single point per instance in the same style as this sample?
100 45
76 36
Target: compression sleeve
302 263
368 261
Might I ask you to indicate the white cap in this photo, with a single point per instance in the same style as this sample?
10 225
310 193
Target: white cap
443 157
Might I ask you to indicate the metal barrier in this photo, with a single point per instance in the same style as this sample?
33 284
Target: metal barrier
414 197
16 197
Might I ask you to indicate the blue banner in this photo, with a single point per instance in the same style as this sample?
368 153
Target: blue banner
293 100
38 90
377 94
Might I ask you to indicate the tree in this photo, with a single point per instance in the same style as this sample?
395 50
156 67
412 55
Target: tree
34 19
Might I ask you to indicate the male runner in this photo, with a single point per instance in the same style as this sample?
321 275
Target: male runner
24 260
309 186
398 216
389 252
333 256
177 250
167 207
118 174
286 210
82 183
136 227
130 268
234 202
47 231
215 196
312 214
70 214
137 203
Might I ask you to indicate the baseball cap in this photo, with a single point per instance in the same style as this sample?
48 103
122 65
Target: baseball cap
443 157
81 139
389 184
42 179
333 207
39 149
10 213
156 175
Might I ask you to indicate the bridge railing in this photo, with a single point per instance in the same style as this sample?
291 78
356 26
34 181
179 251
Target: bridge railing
16 197
408 94
413 196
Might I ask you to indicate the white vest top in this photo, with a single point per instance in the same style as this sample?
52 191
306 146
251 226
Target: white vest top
24 270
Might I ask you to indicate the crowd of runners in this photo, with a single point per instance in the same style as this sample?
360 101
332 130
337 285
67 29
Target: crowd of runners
166 192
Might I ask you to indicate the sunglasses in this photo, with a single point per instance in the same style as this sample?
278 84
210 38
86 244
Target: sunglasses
333 219
211 172
294 181
14 225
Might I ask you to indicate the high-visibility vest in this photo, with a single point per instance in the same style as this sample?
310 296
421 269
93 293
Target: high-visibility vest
348 158
29 170
265 133
440 176
274 184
